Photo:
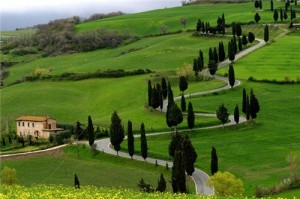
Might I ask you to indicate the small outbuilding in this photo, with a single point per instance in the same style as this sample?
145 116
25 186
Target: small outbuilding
36 126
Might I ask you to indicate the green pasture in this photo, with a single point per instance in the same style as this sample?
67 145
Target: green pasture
163 53
255 151
71 101
278 60
91 169
153 20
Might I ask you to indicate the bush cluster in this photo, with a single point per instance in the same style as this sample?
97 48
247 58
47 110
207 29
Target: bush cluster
274 81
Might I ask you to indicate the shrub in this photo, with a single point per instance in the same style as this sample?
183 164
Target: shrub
23 51
62 137
145 187
9 176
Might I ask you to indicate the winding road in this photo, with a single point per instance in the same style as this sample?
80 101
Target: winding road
198 176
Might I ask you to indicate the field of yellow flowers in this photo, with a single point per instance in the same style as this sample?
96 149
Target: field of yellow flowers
85 192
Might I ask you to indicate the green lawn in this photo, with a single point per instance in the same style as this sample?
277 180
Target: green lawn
278 60
91 169
153 20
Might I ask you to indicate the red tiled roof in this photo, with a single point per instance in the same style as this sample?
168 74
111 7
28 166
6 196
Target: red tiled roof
32 118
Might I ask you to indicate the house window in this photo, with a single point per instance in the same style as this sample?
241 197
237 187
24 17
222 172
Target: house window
49 126
19 123
23 123
32 124
28 124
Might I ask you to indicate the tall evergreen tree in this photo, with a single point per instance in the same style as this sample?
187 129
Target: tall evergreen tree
222 114
221 52
281 14
244 104
78 131
170 95
203 27
183 84
76 182
189 155
236 114
183 103
256 17
196 66
130 139
212 67
231 76
199 25
254 105
247 108
233 44
164 87
240 45
215 55
238 29
178 180
275 15
251 37
214 161
144 145
191 116
174 116
272 5
116 132
266 33
210 54
244 40
149 92
296 2
233 28
155 103
260 4
175 144
231 54
201 60
90 131
285 16
161 184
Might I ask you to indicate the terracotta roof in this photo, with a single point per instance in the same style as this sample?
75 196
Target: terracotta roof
32 118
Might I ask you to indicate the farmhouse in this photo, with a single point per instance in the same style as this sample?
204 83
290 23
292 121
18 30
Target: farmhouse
36 126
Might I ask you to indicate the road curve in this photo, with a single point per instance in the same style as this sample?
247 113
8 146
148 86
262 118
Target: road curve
198 176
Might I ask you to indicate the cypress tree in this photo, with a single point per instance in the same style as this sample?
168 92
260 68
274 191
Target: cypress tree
175 144
189 155
3 142
183 84
222 114
266 33
212 67
285 16
183 103
161 184
231 54
275 15
155 103
236 114
233 44
116 132
256 17
78 131
254 105
271 4
295 2
260 4
251 37
231 76
144 146
201 60
220 52
281 14
244 105
233 28
191 116
178 180
90 131
214 161
76 182
196 67
199 25
203 28
240 45
164 87
161 99
149 92
130 139
210 54
244 40
238 29
170 95
247 108
174 116
215 55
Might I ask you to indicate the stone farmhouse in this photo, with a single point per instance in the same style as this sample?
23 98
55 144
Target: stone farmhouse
39 127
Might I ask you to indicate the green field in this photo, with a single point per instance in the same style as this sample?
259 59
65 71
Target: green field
91 169
255 152
153 20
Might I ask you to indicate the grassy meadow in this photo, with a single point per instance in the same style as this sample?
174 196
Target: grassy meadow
255 151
